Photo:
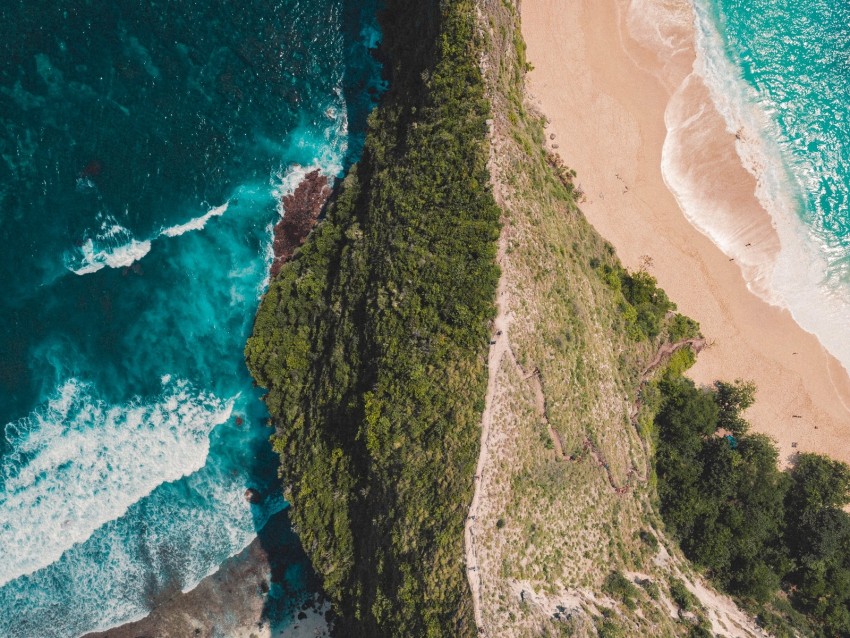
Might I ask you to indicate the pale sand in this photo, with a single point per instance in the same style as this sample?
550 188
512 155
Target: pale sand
605 96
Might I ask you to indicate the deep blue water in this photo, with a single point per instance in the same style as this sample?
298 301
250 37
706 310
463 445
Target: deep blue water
143 148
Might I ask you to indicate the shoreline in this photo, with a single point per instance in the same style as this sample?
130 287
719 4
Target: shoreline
606 96
250 594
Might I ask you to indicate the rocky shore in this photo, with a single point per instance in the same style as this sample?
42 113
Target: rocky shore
257 593
301 211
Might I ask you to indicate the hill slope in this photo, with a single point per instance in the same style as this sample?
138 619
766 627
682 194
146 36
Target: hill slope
372 342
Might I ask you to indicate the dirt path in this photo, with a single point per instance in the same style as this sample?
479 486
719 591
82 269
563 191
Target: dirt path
536 383
667 349
589 449
498 350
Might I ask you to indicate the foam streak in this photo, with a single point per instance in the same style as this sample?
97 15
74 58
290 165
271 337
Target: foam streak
77 463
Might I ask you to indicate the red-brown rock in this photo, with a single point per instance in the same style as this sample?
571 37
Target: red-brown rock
301 211
253 496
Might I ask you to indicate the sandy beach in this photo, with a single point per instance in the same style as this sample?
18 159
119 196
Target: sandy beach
605 90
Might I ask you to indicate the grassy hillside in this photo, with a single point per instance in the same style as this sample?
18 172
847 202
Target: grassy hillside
371 342
569 540
577 534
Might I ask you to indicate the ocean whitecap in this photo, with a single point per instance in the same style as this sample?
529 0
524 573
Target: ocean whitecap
78 462
195 224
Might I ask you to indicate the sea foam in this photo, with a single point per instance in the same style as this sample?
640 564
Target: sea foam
169 540
800 276
125 547
113 246
76 463
195 224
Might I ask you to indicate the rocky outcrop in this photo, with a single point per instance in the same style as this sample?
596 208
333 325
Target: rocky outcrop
301 211
253 496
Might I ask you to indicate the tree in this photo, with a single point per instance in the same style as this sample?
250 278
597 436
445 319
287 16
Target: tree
819 483
732 399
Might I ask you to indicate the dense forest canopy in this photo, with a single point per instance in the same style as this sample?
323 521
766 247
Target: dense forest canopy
372 342
755 529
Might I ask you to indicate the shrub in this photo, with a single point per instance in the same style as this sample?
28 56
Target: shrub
682 596
620 588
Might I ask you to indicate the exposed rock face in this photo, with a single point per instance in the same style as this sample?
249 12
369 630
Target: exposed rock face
253 496
301 210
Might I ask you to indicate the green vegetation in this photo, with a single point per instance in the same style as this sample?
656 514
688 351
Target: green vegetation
620 588
761 534
372 345
680 594
643 303
607 627
372 342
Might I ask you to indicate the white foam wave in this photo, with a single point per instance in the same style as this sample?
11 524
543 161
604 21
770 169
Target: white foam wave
114 247
799 277
77 463
195 224
663 26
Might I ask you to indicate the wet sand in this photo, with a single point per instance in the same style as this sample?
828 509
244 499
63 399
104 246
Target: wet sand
606 95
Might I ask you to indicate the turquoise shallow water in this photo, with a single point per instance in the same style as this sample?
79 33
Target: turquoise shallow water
797 57
143 149
782 70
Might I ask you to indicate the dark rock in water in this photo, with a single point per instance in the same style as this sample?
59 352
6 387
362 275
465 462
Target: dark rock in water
239 420
302 615
253 496
301 211
92 169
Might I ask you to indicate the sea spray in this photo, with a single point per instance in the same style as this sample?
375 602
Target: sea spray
808 274
113 246
79 463
124 568
198 223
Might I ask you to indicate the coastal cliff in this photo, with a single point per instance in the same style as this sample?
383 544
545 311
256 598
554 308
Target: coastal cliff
372 342
480 414
372 339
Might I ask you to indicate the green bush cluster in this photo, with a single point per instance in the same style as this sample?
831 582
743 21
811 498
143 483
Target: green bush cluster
620 588
608 627
642 303
682 596
372 342
753 528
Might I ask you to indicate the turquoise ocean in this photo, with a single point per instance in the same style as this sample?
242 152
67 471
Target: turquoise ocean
779 74
143 151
